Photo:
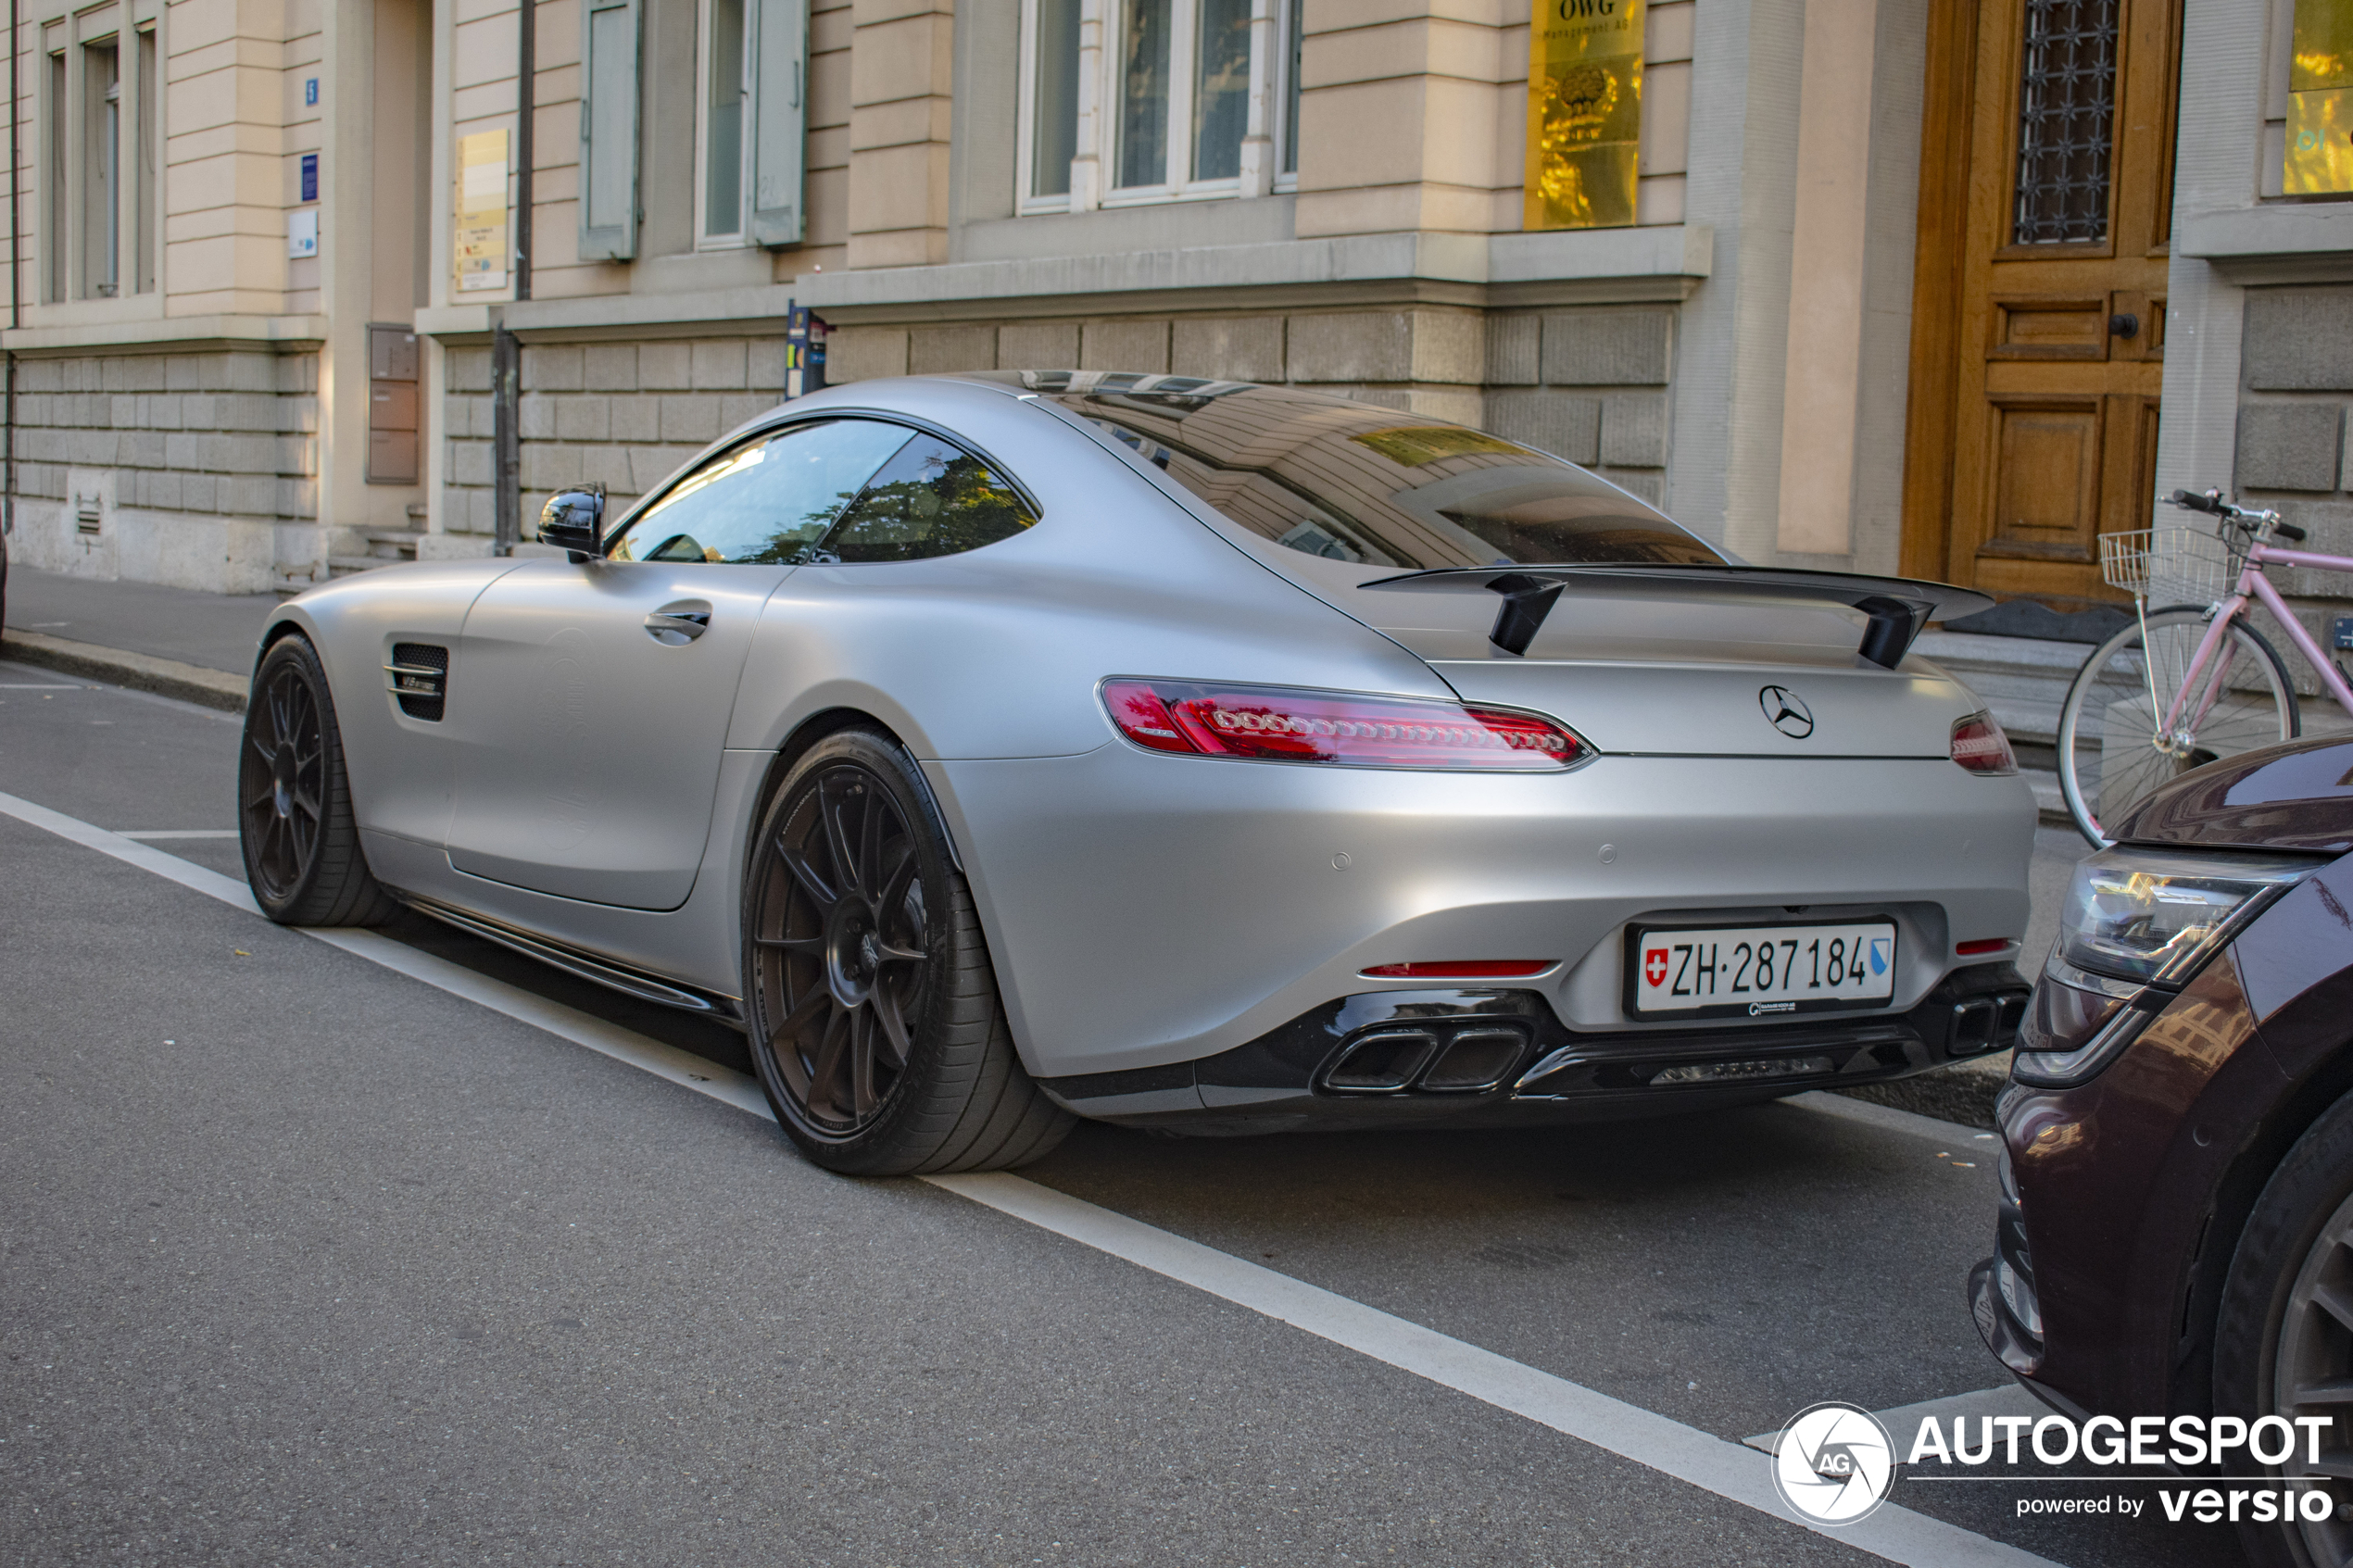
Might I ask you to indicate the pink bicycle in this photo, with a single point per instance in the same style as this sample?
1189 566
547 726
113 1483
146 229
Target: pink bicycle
2191 680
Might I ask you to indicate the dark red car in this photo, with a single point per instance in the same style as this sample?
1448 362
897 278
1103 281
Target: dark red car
2176 1229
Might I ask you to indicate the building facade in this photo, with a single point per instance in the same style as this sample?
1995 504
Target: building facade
1945 286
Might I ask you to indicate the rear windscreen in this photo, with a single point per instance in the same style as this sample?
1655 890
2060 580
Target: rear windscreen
1368 485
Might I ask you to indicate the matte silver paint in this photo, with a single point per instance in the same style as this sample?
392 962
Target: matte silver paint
596 783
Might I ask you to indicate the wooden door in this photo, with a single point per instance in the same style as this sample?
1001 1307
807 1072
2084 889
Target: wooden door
2034 421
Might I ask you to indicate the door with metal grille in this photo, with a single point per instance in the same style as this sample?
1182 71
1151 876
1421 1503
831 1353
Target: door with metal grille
2058 358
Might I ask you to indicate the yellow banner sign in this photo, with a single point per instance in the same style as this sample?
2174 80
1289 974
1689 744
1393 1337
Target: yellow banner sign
2320 112
1584 113
479 238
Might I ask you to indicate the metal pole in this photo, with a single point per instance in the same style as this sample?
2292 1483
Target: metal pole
16 301
506 446
527 91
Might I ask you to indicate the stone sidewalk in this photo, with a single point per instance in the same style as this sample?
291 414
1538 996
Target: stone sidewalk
177 642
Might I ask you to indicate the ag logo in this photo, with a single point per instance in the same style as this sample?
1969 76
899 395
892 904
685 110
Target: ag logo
1786 712
1655 965
1833 1464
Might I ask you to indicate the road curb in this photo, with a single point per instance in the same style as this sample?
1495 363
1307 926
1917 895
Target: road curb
165 677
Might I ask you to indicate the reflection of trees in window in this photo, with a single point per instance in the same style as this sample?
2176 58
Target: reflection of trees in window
930 500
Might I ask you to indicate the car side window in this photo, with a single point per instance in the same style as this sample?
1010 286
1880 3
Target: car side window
932 499
766 500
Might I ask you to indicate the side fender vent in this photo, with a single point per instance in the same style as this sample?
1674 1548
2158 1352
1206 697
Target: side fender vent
419 677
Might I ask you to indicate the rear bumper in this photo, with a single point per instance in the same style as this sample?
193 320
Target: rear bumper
1145 910
1503 1058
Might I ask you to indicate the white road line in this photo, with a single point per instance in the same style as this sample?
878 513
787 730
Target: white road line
37 686
683 1067
1952 1134
1903 1422
1654 1441
149 833
1712 1463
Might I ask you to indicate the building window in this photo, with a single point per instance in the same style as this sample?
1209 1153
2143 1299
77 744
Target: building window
2066 101
101 129
1173 83
724 91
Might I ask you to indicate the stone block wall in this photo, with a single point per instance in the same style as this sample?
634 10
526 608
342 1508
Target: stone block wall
626 414
1589 384
2295 395
187 467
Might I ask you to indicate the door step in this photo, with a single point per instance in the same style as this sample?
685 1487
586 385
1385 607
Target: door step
386 547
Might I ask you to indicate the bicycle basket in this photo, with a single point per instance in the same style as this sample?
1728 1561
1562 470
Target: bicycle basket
2168 566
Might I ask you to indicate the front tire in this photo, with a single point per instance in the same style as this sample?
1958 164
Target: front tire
294 820
2284 1337
2110 754
868 992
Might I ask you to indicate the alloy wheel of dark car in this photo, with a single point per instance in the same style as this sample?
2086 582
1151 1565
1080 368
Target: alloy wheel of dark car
294 820
2312 1366
2283 1336
868 996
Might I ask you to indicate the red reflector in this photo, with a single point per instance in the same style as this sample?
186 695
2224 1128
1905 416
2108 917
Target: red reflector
1470 969
1990 944
1270 724
1979 745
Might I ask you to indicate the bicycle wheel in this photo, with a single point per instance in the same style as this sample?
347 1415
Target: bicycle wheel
2110 754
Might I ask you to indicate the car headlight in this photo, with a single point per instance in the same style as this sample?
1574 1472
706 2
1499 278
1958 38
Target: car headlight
2138 925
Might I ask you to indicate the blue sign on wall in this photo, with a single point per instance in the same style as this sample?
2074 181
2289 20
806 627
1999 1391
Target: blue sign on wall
310 177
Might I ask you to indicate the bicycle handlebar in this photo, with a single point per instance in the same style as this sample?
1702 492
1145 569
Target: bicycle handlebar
2212 504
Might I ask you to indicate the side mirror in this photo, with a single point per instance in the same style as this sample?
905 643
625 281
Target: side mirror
574 520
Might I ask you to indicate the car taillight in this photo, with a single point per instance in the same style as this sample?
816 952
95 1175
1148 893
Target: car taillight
1272 724
1462 969
1979 745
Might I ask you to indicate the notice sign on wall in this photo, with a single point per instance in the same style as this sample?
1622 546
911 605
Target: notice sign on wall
1584 113
480 235
2320 112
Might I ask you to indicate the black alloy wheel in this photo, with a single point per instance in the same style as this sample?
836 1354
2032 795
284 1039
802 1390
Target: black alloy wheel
294 818
872 1005
2284 1337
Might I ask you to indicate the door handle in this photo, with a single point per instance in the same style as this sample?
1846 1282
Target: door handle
678 624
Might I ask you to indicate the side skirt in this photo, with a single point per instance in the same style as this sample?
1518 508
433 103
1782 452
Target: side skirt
584 965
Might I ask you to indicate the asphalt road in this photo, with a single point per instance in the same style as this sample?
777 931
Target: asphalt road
302 1260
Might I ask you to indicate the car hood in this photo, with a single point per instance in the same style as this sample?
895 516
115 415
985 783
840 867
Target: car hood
2298 795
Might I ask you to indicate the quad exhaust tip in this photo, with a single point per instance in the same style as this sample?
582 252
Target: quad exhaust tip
1468 1058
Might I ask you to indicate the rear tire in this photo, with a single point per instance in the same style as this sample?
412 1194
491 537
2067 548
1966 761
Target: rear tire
2282 1334
2109 758
295 820
868 993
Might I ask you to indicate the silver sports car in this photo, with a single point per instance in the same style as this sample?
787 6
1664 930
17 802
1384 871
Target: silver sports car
998 750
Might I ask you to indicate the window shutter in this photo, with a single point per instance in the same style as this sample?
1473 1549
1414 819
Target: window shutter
780 120
609 130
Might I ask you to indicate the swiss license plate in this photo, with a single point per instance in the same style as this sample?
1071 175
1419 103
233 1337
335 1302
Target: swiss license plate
1762 971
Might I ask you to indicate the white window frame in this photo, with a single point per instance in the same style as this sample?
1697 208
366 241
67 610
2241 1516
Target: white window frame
1185 33
740 235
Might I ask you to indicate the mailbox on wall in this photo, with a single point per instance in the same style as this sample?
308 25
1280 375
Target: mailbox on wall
392 405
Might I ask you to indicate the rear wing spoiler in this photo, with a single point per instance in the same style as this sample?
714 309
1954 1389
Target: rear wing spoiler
1896 608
